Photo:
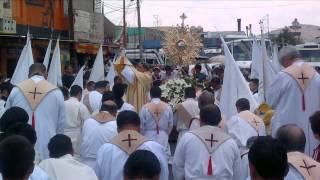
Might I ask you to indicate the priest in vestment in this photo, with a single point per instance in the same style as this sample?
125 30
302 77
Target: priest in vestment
186 111
139 81
112 156
207 152
157 119
62 165
301 166
245 124
98 130
44 104
76 114
294 94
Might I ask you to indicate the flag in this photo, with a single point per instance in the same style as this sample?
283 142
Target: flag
111 75
275 59
266 72
97 72
256 59
54 73
25 61
47 56
234 86
79 78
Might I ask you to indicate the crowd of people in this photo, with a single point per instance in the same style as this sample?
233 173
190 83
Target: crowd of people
96 133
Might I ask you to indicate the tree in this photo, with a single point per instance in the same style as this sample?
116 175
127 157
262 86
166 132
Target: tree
287 37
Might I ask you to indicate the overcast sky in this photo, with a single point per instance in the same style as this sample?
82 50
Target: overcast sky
215 15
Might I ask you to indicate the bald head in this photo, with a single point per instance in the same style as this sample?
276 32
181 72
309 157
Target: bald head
288 55
37 69
206 98
292 137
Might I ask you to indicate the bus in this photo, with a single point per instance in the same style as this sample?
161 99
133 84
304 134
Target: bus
310 53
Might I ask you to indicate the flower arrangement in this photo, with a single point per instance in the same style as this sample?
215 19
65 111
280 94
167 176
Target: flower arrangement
173 90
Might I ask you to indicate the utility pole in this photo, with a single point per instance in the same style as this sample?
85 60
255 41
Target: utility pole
140 32
124 25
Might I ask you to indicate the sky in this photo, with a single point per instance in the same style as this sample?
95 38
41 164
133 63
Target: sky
214 15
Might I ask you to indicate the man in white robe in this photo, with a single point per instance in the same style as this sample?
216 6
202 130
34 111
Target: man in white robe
245 124
157 119
44 104
301 166
207 152
76 114
186 111
61 165
294 94
93 99
97 131
112 156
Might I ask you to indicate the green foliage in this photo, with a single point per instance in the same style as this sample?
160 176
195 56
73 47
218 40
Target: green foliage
288 37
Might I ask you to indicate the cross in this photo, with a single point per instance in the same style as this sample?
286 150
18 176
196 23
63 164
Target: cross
211 140
255 122
303 78
183 17
307 167
157 113
35 93
129 140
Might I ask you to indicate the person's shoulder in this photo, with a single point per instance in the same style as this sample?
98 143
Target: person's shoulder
39 173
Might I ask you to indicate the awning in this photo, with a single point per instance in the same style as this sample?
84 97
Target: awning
87 48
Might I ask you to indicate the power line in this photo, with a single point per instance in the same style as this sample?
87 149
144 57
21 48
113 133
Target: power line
222 8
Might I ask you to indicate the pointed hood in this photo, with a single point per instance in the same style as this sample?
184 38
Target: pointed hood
234 86
97 71
47 56
25 61
79 78
54 73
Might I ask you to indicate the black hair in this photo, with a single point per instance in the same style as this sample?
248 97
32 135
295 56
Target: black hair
65 92
315 122
142 164
118 92
23 129
210 115
109 107
198 66
6 86
243 104
16 157
75 90
155 92
59 145
107 96
91 83
216 80
255 81
189 92
269 158
292 137
13 115
127 118
37 69
206 98
101 84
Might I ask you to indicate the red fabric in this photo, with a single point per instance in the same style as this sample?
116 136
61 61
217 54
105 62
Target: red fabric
33 123
209 167
303 103
316 154
157 129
